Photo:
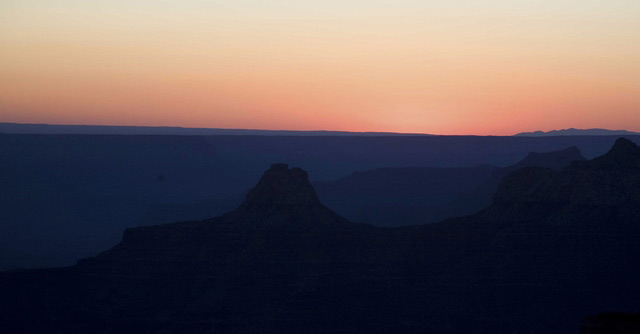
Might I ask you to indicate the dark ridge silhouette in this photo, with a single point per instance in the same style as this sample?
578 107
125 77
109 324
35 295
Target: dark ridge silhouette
577 132
580 183
409 196
284 200
400 196
625 155
66 197
482 195
553 247
554 160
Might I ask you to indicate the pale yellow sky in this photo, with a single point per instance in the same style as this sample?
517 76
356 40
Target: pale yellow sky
477 67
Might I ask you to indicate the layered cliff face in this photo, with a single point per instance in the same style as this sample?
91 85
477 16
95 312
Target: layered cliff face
612 180
557 245
624 156
417 195
555 160
481 197
579 212
553 247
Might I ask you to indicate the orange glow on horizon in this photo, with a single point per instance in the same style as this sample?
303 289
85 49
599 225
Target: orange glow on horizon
484 71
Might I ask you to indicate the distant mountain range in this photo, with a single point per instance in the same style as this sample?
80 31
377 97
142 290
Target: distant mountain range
578 132
19 128
23 128
418 195
552 248
64 197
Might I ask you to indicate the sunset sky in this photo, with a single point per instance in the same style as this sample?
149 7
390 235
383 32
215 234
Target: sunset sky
443 67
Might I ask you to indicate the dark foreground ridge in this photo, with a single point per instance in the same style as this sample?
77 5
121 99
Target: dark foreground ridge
623 156
67 197
554 247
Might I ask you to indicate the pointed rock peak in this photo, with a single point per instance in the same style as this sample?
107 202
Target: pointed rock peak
624 146
624 155
281 185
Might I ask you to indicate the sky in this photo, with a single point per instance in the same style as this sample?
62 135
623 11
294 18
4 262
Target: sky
442 67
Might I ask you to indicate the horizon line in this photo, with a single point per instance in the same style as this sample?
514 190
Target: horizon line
177 127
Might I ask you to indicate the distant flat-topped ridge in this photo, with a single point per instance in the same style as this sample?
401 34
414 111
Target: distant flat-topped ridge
577 132
20 128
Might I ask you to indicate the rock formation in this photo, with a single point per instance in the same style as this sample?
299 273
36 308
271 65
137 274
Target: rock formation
553 247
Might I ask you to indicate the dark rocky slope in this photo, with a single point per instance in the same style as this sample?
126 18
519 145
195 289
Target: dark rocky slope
553 247
66 197
481 196
400 196
417 195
